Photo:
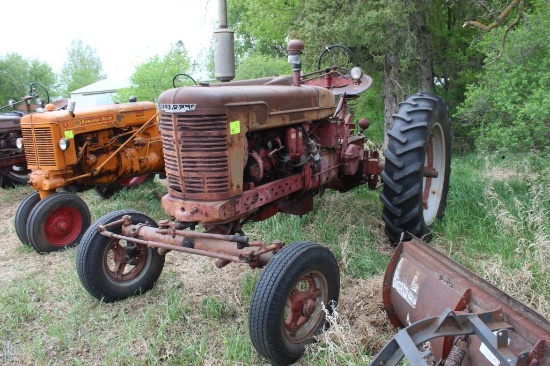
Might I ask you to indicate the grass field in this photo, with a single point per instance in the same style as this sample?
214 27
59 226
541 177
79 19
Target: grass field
497 224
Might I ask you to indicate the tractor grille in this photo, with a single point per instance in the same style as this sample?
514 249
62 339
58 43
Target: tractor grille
196 155
39 147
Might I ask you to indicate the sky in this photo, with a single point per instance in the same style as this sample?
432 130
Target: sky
123 33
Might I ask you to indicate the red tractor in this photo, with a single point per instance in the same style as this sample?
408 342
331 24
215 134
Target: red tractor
244 151
13 163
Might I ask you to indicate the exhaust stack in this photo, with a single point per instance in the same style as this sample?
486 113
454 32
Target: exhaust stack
224 46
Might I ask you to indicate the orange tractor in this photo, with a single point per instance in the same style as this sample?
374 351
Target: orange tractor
106 148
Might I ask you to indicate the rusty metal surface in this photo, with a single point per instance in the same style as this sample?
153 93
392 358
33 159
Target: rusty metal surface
250 200
226 248
7 161
106 143
409 342
421 282
343 85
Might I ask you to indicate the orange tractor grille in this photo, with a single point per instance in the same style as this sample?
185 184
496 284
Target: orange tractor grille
39 147
196 155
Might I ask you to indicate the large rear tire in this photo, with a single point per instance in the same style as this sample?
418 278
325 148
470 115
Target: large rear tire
57 222
112 269
417 168
286 311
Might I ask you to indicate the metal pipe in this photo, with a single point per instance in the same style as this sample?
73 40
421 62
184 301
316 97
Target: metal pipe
222 13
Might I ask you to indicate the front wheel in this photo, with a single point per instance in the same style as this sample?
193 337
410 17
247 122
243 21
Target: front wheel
288 305
417 168
112 269
22 216
57 222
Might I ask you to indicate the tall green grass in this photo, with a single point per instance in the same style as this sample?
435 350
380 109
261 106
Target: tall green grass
496 223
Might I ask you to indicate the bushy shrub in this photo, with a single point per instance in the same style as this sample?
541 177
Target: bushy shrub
509 107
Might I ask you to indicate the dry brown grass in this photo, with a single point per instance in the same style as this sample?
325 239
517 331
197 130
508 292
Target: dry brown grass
57 295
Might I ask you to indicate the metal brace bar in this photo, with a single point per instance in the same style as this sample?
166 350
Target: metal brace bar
407 341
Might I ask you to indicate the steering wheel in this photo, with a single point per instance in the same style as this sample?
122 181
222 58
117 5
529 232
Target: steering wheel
336 55
179 80
38 90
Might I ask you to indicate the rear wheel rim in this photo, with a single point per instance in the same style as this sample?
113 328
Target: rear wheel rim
433 186
134 181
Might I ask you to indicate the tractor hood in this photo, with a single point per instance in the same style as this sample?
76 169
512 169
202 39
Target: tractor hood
107 116
263 103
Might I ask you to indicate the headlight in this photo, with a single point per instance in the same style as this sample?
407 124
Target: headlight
63 144
356 73
19 143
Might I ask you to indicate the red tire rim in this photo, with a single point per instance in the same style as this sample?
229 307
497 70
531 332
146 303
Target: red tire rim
304 307
63 226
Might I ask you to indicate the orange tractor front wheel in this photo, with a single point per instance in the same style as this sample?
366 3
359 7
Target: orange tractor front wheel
54 223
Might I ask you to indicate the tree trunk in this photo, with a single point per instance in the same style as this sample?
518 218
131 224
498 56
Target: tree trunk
392 90
424 52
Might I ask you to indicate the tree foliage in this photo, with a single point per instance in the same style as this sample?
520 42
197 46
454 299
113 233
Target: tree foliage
258 66
411 45
17 73
83 67
508 107
155 75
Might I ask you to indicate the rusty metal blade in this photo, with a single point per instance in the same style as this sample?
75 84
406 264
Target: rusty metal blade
421 283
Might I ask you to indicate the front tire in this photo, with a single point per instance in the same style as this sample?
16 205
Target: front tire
22 216
418 149
112 269
19 175
286 311
57 222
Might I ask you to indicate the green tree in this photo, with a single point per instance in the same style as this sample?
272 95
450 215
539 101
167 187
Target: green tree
262 26
83 67
406 45
155 75
258 66
18 73
508 107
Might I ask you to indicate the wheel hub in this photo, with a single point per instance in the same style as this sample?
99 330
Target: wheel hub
62 226
301 304
122 266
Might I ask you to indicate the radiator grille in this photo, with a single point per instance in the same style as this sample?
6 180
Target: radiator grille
39 147
196 155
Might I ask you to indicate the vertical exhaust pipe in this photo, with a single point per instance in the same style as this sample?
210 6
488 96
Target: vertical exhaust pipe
224 46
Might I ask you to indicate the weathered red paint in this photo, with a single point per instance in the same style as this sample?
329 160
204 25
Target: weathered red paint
421 282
